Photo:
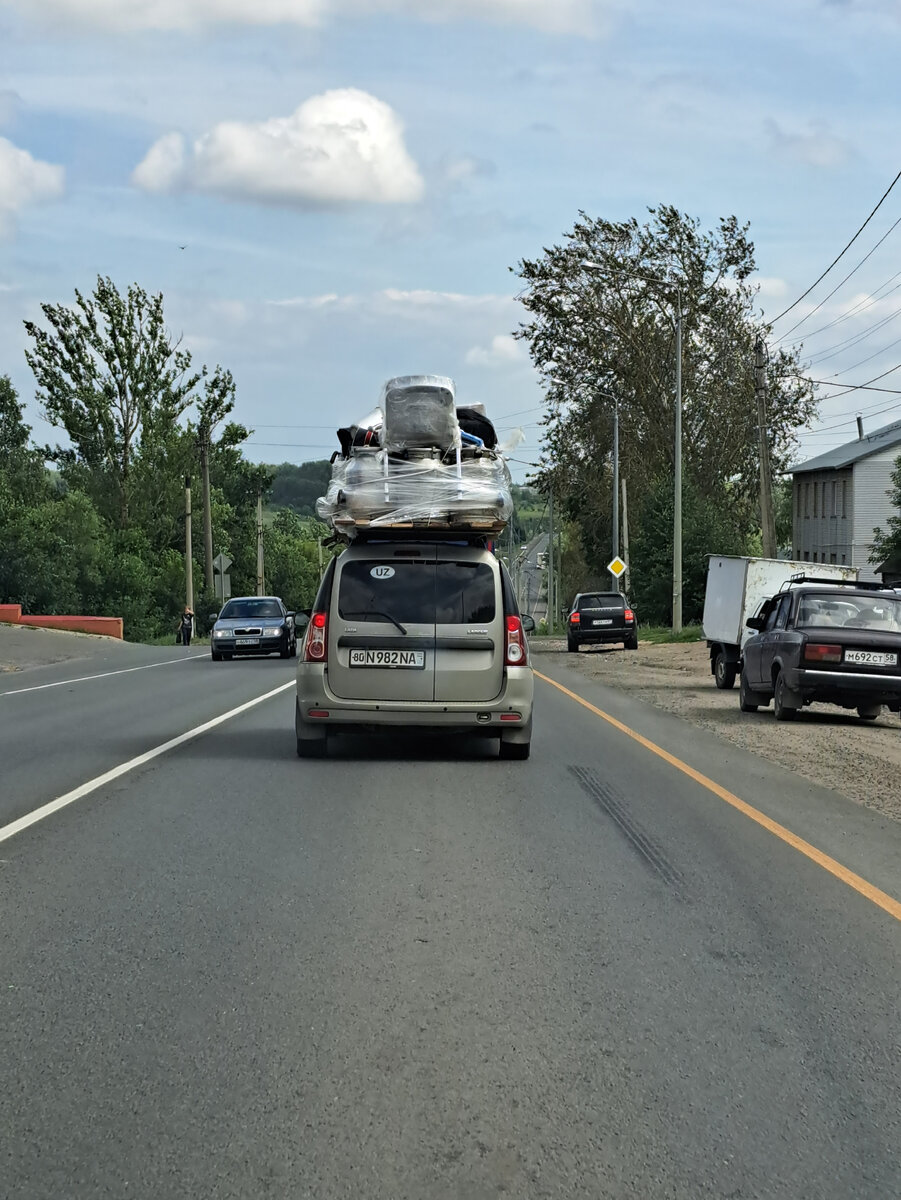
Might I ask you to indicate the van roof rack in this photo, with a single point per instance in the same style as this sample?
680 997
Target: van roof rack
860 585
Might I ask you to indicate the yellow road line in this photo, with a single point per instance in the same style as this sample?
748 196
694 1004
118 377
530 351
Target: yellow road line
881 899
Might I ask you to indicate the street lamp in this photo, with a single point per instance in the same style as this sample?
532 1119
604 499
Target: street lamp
677 480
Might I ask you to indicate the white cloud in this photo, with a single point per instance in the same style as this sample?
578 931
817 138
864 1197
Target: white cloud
341 147
503 352
135 15
554 16
818 148
24 180
401 304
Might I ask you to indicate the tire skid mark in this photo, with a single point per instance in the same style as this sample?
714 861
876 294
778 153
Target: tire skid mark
616 807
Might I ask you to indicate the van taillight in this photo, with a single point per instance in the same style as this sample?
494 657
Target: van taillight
314 646
516 654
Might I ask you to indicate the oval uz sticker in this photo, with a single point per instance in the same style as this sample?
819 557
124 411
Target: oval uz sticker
382 572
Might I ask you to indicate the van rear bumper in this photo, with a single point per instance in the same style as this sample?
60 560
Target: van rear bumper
474 717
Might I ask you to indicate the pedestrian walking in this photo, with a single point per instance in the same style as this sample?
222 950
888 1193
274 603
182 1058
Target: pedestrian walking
186 626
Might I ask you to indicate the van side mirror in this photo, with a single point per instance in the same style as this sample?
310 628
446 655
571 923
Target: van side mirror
528 624
755 623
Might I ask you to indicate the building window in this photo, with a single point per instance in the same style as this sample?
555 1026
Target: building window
844 499
834 512
832 556
806 487
807 556
844 560
816 501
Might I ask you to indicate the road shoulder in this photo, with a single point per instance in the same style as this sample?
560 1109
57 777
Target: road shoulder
867 842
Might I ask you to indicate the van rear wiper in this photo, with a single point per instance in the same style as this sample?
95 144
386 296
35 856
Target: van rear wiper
375 612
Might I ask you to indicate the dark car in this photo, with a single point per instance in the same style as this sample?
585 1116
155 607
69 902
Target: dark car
253 625
600 617
824 644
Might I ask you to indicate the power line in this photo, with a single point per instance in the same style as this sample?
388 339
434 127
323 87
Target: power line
838 257
855 339
854 271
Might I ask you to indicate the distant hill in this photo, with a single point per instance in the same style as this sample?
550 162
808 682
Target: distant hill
299 487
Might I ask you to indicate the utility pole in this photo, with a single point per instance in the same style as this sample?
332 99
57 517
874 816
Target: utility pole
767 518
207 514
550 564
189 550
615 478
625 537
677 482
261 581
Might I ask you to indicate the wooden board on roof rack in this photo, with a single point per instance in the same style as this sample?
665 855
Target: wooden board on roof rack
457 525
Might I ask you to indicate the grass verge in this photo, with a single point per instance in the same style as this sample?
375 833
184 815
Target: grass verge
658 635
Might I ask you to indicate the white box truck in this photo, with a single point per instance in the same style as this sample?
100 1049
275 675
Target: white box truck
736 588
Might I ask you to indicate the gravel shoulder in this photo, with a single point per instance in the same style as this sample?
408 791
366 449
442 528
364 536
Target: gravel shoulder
826 745
24 647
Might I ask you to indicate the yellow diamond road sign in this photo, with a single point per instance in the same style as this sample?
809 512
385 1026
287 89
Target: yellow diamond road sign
616 567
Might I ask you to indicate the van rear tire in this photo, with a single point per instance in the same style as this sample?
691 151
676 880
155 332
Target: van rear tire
515 750
312 747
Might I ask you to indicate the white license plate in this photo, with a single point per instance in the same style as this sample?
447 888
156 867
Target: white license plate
247 641
608 621
410 659
871 658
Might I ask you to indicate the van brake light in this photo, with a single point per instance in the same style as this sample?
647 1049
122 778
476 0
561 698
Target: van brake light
515 654
316 640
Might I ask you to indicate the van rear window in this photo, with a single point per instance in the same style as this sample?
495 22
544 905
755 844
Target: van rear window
465 593
422 593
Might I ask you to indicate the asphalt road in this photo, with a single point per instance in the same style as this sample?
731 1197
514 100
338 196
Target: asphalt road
412 970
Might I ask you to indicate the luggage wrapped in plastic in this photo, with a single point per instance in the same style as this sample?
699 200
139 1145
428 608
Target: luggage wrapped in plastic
374 488
419 412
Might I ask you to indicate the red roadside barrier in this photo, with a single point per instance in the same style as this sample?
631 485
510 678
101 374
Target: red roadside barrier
109 626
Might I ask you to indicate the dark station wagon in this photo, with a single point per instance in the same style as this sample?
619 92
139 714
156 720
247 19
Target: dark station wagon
824 643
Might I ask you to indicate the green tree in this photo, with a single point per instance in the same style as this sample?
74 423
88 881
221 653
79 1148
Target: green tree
22 475
292 558
605 336
887 542
707 528
110 375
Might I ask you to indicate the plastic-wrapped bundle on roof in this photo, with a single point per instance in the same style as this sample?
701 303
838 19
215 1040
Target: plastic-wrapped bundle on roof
419 412
411 464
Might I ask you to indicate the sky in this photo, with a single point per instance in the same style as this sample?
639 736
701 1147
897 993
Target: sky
329 193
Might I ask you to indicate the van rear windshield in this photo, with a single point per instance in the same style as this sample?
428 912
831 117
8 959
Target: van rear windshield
446 593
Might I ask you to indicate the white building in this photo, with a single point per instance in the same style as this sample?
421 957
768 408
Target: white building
840 497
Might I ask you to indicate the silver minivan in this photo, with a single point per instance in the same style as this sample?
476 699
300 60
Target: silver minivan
416 634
